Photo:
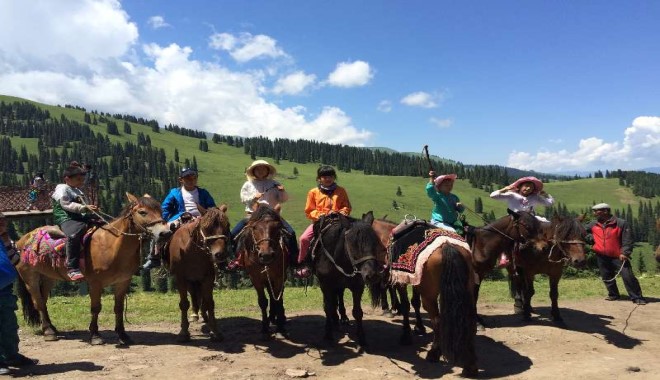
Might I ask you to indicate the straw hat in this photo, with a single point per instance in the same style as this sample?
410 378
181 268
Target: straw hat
538 185
249 172
438 180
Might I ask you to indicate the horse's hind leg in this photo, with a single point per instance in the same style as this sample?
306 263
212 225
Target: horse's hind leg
120 295
208 309
194 315
404 310
277 309
39 289
417 304
182 286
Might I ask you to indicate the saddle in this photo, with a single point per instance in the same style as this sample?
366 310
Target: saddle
320 225
49 242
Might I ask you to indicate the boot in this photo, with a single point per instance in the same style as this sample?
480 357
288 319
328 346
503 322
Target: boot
236 263
153 261
73 258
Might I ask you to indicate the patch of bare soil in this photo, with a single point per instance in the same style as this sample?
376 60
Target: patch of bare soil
600 340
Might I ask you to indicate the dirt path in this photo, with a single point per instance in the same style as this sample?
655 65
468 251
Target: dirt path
593 346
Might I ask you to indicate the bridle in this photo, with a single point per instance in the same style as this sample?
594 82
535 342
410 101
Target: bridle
205 240
558 243
275 243
354 262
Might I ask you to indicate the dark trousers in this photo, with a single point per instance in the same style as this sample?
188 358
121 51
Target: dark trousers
8 328
74 231
609 266
291 243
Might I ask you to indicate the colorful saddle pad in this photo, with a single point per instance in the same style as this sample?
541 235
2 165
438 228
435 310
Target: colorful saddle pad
408 268
42 247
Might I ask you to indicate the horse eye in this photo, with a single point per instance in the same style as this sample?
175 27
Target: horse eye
142 212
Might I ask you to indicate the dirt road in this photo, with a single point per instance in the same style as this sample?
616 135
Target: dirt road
601 340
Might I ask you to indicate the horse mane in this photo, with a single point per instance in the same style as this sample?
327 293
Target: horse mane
213 217
264 211
567 228
148 202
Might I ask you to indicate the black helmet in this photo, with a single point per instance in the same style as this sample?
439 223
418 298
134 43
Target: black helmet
187 171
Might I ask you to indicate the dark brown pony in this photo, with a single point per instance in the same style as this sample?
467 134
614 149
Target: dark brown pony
112 256
562 243
488 242
194 250
347 255
384 229
266 261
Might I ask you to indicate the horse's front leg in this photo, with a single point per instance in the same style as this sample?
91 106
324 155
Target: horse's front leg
404 310
358 314
527 293
277 309
417 305
263 305
195 300
95 290
554 296
120 295
182 286
330 302
208 309
341 308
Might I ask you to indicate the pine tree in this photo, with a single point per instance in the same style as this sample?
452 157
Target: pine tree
398 191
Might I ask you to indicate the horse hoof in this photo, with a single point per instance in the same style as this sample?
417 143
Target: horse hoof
96 341
281 336
183 337
420 330
218 337
471 372
125 340
194 318
51 338
481 327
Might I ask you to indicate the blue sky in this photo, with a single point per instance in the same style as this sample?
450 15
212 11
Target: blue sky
546 86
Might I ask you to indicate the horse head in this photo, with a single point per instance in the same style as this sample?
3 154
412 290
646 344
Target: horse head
146 214
523 226
365 249
213 230
265 235
567 235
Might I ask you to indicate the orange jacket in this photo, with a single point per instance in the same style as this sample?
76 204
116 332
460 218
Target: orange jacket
320 204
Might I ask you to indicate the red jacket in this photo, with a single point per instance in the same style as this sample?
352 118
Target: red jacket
611 238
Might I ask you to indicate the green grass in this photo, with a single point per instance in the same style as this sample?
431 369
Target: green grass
72 313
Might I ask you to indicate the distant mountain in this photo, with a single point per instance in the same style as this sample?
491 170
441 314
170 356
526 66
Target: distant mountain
655 169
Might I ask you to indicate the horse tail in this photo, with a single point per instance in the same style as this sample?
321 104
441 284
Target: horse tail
30 313
457 310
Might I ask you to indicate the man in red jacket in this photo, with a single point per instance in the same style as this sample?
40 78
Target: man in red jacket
613 245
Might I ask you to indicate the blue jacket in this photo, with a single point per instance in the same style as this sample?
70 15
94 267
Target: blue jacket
173 205
7 273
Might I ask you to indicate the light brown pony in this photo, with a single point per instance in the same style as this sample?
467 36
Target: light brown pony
266 261
561 243
194 250
112 256
447 294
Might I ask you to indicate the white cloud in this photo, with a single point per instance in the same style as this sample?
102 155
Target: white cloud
246 47
384 106
420 99
294 83
441 123
105 72
350 74
157 22
640 148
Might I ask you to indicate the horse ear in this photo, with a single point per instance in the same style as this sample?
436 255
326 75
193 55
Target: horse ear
202 209
131 198
368 217
223 207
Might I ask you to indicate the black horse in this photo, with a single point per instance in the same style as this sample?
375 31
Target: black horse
346 254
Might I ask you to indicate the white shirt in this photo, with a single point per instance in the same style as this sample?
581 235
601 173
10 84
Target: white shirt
270 194
190 201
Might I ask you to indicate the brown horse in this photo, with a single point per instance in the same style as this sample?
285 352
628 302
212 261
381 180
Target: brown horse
266 261
112 256
194 250
488 242
562 243
447 292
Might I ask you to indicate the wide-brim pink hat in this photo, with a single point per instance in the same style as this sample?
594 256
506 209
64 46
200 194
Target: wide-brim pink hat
538 185
438 180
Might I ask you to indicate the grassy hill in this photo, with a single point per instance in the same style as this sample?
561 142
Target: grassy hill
222 168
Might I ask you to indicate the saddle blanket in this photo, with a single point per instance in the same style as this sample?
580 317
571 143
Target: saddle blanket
408 268
43 248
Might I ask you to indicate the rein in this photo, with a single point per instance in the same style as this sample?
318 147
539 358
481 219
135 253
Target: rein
205 239
274 242
558 243
354 262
